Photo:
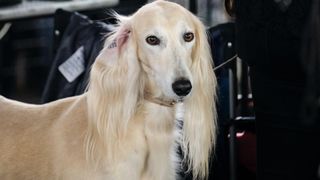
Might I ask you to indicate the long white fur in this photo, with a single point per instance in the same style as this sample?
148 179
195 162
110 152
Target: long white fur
112 132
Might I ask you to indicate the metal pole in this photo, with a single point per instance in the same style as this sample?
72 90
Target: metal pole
232 128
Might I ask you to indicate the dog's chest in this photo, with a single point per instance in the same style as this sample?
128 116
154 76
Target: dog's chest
160 133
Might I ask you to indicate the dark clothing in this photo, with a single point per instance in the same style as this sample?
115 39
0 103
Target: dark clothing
80 32
269 38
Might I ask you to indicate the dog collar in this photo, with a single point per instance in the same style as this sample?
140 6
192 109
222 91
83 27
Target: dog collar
159 101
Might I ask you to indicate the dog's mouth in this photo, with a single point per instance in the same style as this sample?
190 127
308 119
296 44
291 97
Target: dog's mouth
180 99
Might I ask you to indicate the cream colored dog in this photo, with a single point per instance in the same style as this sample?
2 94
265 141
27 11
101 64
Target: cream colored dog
155 69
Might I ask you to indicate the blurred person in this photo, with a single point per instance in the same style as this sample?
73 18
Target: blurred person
269 38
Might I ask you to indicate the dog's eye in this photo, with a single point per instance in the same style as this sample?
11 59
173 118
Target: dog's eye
188 36
153 40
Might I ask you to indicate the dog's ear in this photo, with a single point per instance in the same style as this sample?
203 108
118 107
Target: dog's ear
200 116
116 46
114 89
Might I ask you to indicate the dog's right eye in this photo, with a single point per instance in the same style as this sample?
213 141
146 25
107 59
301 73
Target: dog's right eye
153 40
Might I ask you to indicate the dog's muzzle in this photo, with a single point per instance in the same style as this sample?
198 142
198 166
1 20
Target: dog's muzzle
182 87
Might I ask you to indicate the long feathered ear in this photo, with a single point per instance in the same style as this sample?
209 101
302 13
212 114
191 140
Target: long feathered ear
113 92
200 116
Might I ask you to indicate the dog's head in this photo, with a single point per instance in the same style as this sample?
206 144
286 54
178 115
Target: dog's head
160 50
166 37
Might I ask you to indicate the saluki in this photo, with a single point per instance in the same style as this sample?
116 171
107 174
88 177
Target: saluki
155 69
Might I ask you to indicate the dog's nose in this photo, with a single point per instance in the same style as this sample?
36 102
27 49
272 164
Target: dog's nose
182 87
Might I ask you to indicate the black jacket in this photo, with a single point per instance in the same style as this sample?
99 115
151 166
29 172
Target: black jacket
269 38
79 32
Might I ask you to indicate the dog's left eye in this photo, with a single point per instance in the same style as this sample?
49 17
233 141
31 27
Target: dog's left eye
188 36
153 40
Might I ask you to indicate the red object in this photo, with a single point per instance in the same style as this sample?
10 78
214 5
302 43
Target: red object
246 142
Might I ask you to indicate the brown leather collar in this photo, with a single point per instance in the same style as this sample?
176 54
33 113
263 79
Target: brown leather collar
160 101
